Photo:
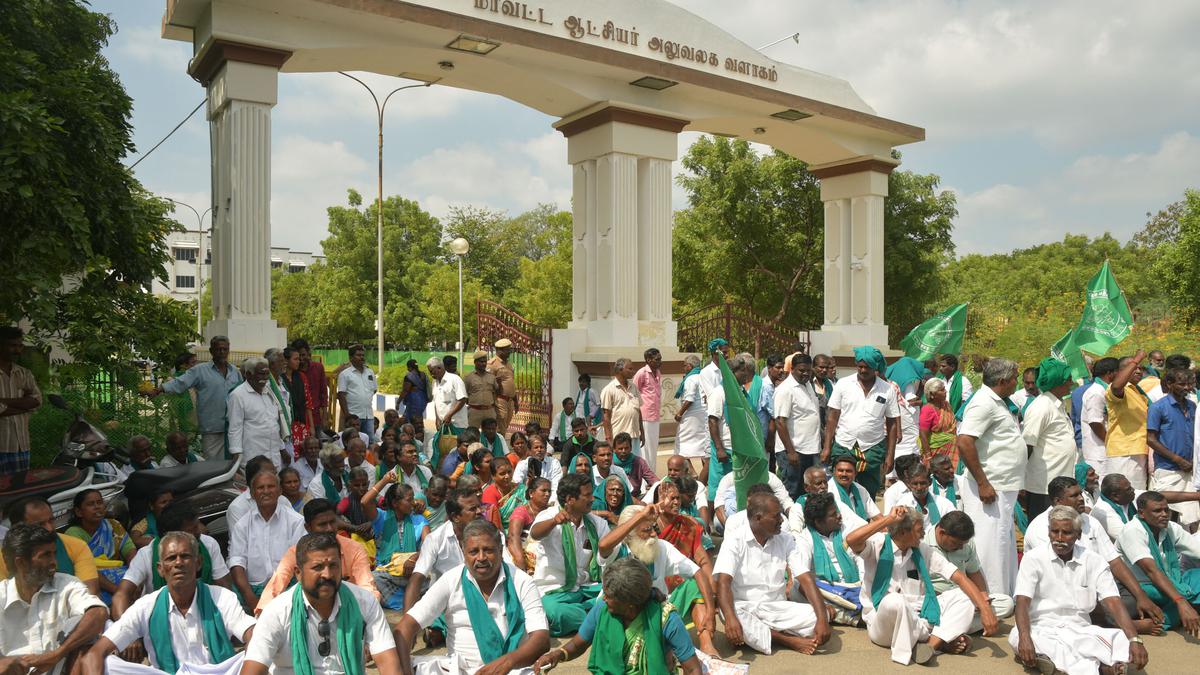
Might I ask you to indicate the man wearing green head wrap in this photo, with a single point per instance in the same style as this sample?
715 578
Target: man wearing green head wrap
710 375
1048 430
863 420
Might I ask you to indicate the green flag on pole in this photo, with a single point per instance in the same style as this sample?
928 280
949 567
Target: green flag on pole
939 334
745 434
1067 351
1106 321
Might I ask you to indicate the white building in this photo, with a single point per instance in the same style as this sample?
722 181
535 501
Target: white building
186 266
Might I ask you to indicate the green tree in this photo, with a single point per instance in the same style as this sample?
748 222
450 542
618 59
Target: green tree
1176 260
83 239
917 223
542 292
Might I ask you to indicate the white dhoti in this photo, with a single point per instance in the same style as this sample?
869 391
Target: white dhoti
212 446
691 437
450 665
758 619
1132 467
1077 649
115 665
1177 481
1002 606
897 622
649 449
995 534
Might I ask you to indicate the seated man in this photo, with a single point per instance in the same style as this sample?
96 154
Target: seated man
726 501
677 467
567 547
816 482
1057 589
320 517
1154 546
1065 491
47 616
691 590
72 554
751 576
261 538
493 612
171 621
900 605
943 485
244 502
844 488
333 481
492 439
912 490
143 577
178 453
1116 505
323 625
550 469
441 552
633 619
838 575
581 442
641 475
953 537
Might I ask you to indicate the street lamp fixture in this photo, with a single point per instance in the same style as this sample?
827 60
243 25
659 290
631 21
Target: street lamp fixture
459 247
199 260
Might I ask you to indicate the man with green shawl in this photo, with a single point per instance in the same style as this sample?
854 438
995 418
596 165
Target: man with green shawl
494 615
633 632
168 620
1048 430
1154 547
863 420
567 537
323 624
901 607
958 387
822 541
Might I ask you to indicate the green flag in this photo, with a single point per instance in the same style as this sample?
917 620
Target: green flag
745 434
1106 318
1067 351
939 334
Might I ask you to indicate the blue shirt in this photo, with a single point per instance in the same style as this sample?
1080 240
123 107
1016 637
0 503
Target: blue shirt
1077 409
766 405
673 632
212 390
1175 426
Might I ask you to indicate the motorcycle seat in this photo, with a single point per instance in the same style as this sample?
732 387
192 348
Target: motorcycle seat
43 481
178 479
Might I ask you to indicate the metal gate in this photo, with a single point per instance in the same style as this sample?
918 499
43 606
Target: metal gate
744 330
530 359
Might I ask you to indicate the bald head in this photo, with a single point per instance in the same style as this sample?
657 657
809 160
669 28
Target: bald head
677 466
815 480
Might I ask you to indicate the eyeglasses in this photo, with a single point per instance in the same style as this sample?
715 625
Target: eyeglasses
323 632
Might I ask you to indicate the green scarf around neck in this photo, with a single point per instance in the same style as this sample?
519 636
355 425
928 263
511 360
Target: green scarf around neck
931 611
683 382
205 565
948 492
1165 558
613 642
954 395
851 498
347 634
1126 513
519 496
333 494
931 508
493 645
823 565
216 637
392 540
285 409
65 564
570 564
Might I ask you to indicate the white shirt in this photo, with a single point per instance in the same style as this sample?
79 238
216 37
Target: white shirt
797 403
187 631
272 643
913 589
910 428
757 571
440 552
413 480
710 378
551 471
253 423
796 523
34 628
727 493
867 500
1049 431
446 392
1063 591
1019 397
651 495
316 488
365 466
1112 521
1093 409
899 495
597 479
141 574
359 388
445 597
998 440
550 573
244 503
257 545
694 391
669 562
337 440
1093 537
307 473
716 409
863 414
1134 544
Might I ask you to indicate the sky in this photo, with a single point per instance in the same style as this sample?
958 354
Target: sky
1044 118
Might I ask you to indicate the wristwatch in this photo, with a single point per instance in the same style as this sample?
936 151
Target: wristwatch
1137 639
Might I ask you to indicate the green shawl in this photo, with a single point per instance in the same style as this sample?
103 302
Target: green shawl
1165 558
954 395
493 645
950 493
682 382
931 508
636 650
348 634
1125 512
823 566
333 494
216 637
392 540
570 565
931 611
285 409
510 503
65 564
850 497
205 566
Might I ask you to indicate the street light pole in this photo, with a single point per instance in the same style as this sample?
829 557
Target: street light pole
379 110
459 247
199 261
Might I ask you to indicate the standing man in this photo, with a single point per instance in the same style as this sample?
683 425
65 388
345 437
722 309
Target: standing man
1171 433
356 388
254 426
1093 416
507 403
691 419
1028 390
587 406
481 391
622 409
449 403
710 374
648 382
958 388
720 461
1047 430
798 423
212 381
1128 409
864 420
19 397
1077 402
313 372
992 448
1158 364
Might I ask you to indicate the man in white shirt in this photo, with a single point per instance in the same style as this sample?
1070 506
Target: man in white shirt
449 399
622 407
710 374
45 617
863 420
340 620
848 491
953 538
333 481
677 466
309 464
904 611
1028 390
1057 590
477 598
751 573
726 500
261 538
912 490
183 612
1093 415
1048 430
244 502
356 387
798 423
1154 547
1117 503
820 538
569 590
949 373
254 427
992 448
441 551
720 460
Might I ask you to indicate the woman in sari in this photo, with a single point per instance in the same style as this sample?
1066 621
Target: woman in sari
146 529
357 524
518 448
388 455
111 546
502 496
296 382
937 424
610 498
398 532
582 465
538 490
293 489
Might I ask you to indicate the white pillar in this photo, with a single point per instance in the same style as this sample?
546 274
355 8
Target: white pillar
853 193
240 98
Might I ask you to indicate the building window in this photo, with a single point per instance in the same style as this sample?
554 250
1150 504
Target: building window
276 264
184 254
208 257
295 267
185 281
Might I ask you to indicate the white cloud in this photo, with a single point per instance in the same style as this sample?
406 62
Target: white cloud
145 45
308 177
320 99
